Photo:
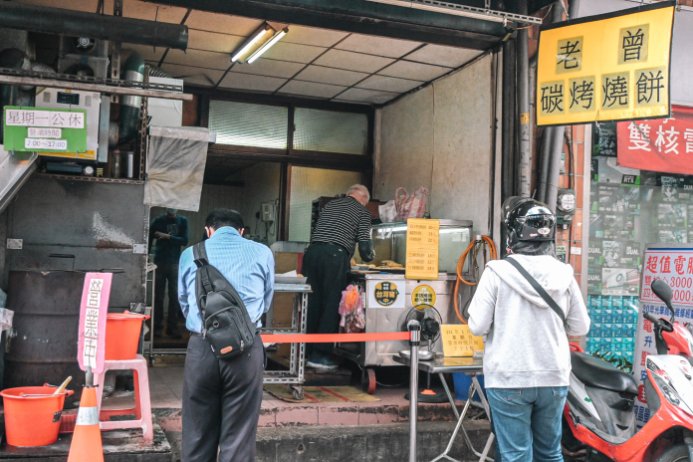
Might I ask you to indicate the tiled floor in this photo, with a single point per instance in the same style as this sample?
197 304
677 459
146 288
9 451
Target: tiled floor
166 386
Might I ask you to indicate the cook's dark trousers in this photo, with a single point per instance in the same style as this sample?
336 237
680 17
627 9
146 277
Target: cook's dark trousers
221 403
326 267
166 272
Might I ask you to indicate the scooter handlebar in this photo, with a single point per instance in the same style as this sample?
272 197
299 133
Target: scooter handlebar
650 318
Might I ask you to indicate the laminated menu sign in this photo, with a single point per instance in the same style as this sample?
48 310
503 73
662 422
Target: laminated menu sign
608 67
458 340
673 264
422 249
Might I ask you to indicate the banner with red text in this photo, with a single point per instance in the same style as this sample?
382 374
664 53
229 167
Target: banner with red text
674 265
659 145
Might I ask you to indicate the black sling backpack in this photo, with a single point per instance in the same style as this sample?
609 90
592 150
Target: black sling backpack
226 324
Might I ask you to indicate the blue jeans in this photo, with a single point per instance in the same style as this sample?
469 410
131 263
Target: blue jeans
527 422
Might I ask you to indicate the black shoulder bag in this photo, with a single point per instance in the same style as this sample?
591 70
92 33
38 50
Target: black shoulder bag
540 290
226 325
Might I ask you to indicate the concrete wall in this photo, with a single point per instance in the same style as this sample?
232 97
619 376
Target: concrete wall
441 137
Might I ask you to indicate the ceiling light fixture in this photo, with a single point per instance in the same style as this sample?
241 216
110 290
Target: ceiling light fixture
258 43
275 38
247 46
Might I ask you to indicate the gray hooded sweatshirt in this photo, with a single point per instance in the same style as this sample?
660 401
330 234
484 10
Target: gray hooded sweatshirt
526 341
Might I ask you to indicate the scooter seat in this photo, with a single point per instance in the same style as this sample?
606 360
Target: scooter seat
600 374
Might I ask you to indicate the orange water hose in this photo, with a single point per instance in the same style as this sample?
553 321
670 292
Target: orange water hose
489 250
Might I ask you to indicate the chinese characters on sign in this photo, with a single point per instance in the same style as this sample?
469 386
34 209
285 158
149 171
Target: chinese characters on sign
44 129
43 118
422 249
660 145
92 321
386 293
675 267
606 68
459 341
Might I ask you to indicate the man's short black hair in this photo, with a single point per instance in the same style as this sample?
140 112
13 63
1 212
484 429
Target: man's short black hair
224 217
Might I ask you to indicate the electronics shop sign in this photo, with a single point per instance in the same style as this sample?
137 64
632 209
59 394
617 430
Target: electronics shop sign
45 129
609 67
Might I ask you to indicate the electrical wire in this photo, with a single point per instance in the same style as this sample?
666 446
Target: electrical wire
481 245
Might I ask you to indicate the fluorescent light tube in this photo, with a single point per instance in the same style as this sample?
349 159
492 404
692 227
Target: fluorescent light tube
249 44
277 37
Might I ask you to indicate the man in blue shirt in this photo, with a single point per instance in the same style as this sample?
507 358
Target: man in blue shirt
170 231
221 397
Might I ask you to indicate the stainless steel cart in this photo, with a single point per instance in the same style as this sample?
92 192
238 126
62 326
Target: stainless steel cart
388 298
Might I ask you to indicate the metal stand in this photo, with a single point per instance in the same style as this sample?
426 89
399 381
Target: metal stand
475 389
415 338
294 377
440 366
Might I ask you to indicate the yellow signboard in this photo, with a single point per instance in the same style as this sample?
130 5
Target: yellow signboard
459 341
610 67
422 249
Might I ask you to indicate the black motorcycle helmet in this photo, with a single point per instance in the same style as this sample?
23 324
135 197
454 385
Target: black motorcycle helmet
530 226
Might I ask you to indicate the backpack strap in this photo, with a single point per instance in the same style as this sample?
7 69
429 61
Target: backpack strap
204 281
540 290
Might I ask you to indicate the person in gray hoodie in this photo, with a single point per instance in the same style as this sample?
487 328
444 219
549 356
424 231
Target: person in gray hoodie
527 356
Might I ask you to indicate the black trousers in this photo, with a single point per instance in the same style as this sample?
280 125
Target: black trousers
326 266
166 272
221 403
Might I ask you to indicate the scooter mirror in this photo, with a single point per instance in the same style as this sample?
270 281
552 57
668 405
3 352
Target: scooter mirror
662 290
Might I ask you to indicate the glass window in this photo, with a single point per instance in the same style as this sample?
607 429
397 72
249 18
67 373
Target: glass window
330 131
246 124
629 208
308 184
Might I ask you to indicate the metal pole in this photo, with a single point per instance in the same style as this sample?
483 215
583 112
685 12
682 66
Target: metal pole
554 172
525 178
509 141
545 155
556 141
414 339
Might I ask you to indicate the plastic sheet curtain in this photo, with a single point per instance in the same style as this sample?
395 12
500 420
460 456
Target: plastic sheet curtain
176 160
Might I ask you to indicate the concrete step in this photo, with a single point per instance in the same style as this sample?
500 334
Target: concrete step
368 443
118 446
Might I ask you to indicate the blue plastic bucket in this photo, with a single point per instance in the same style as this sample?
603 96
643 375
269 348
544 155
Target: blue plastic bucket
462 382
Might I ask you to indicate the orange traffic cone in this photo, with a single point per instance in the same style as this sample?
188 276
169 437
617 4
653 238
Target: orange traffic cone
86 441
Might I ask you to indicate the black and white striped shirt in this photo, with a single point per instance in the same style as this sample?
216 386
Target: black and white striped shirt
343 222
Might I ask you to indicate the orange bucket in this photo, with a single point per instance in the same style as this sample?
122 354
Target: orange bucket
34 419
123 334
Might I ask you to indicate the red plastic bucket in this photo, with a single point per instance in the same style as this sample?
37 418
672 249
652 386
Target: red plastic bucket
123 334
32 420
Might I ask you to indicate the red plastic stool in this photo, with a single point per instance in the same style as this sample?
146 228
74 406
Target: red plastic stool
143 408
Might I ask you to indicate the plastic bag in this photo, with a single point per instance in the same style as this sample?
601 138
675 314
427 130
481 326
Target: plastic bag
411 205
388 211
353 316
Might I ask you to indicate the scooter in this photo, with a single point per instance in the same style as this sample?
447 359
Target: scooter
598 420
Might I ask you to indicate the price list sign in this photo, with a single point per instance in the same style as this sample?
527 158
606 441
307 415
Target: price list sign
422 249
674 265
458 340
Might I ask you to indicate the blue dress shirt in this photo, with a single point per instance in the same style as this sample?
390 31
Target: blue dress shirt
247 265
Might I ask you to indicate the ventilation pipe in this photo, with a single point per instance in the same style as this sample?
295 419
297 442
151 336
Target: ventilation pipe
133 71
97 26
